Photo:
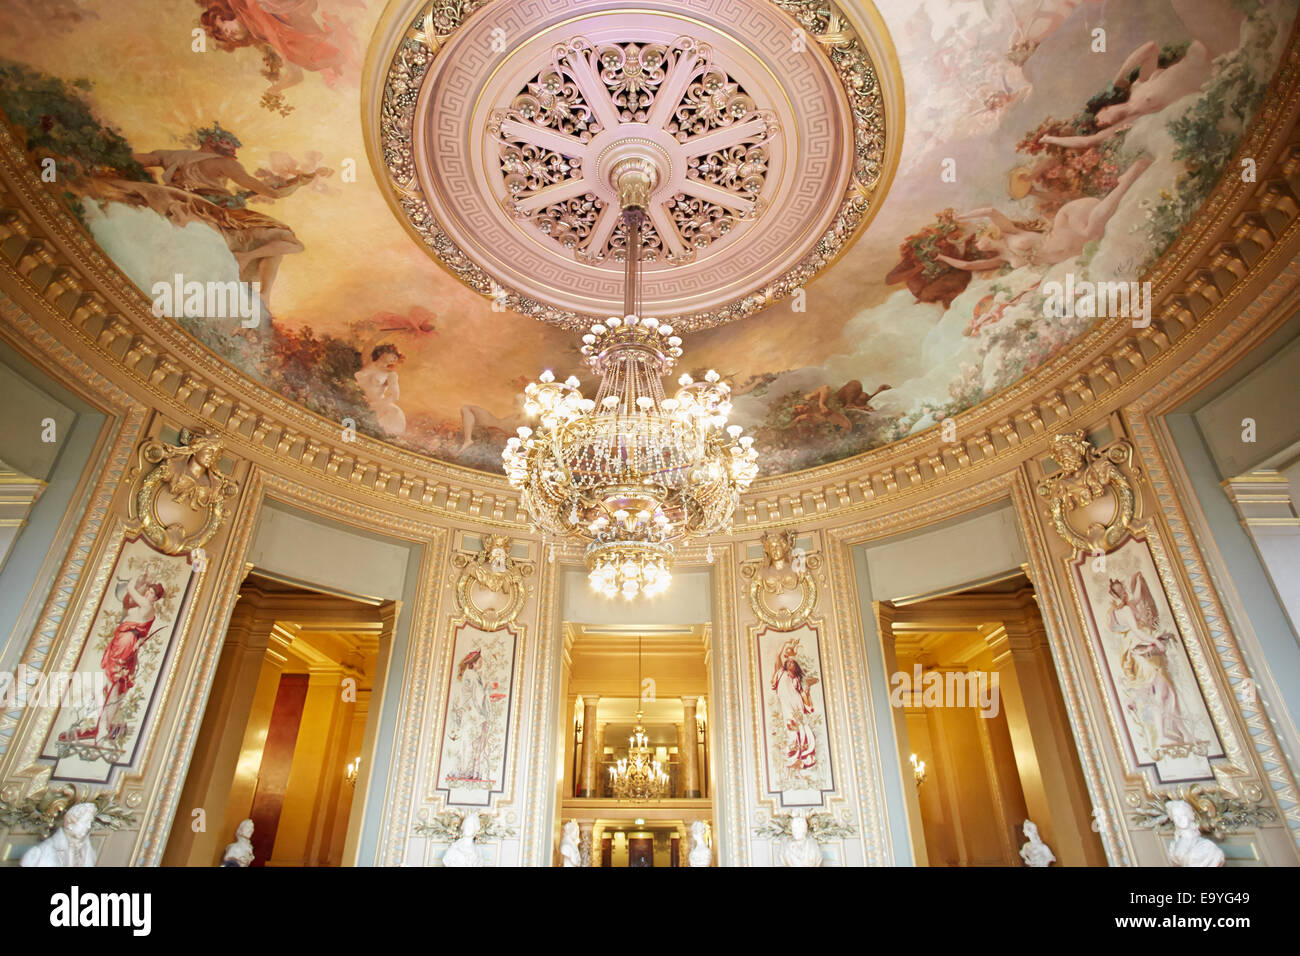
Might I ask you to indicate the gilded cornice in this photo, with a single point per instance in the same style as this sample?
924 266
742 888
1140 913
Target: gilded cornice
1238 241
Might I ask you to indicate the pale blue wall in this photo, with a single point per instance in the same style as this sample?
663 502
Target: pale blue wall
29 396
882 714
1254 387
1277 640
964 551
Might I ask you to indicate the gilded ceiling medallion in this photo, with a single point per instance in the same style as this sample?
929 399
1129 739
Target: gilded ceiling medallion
501 124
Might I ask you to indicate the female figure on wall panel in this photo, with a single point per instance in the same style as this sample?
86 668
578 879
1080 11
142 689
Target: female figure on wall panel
121 658
1152 697
472 715
794 694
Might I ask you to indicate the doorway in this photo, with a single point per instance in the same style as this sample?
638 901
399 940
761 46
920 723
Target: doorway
636 695
284 733
640 850
982 730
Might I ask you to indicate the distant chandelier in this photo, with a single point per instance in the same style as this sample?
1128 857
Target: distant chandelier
630 471
638 776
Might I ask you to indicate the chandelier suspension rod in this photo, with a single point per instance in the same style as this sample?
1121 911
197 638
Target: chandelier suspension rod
632 273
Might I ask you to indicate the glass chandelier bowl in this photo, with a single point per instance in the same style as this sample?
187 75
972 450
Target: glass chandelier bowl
631 470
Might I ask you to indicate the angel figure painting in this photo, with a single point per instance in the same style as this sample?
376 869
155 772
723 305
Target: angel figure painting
146 598
472 763
1154 686
798 761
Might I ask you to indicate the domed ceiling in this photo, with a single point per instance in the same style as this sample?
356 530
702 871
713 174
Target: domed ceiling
859 212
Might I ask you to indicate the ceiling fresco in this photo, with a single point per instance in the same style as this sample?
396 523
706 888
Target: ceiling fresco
1043 141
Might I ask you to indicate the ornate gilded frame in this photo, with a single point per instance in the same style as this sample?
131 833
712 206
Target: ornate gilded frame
772 802
480 570
769 576
1227 767
442 795
161 479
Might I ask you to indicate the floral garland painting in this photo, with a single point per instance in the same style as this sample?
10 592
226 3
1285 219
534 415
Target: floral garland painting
472 760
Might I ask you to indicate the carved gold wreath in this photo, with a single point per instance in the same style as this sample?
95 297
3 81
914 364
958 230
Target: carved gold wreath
494 570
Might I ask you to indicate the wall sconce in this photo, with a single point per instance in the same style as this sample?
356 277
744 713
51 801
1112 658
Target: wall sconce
352 770
701 717
577 720
918 769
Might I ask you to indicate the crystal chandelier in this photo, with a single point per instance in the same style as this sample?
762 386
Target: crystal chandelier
630 471
638 776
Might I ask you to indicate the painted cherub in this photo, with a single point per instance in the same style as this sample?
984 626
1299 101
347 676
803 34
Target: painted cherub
378 382
1039 22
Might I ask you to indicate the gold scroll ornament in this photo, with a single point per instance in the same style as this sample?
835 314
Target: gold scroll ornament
1086 475
491 569
185 479
783 568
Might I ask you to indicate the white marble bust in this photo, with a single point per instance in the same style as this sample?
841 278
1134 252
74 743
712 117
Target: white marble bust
801 848
700 854
1190 848
570 855
463 852
240 853
69 845
1035 852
